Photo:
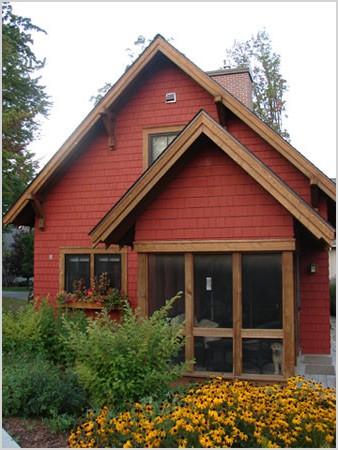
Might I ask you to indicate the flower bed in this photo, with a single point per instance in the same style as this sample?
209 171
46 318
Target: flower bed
220 414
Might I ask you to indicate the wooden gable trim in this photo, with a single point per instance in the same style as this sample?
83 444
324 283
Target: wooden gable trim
278 143
249 245
203 123
220 94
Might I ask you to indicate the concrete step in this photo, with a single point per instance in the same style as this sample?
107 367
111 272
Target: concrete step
317 359
319 369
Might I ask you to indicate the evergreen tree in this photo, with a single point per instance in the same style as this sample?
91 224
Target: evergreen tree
23 101
269 86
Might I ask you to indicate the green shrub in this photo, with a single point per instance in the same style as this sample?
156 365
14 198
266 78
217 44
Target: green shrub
61 423
37 388
333 297
39 331
123 362
21 331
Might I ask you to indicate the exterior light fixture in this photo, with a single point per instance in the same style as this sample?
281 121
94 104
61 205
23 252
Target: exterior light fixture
313 268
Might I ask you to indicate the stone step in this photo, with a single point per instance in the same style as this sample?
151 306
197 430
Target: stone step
319 369
317 359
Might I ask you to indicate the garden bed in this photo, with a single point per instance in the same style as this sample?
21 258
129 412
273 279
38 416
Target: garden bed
33 433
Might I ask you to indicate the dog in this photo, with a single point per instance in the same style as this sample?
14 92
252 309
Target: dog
277 349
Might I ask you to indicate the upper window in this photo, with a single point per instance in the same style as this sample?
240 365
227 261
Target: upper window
158 143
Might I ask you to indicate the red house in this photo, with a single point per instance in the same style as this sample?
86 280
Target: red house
171 184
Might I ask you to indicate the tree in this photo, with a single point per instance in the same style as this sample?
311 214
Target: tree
24 101
269 86
18 259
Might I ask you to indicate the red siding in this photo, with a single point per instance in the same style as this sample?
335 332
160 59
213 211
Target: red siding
315 301
213 198
99 177
269 156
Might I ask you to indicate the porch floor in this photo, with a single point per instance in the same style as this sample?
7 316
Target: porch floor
320 368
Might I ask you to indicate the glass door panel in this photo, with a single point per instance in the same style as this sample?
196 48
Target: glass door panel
213 354
213 291
166 279
263 356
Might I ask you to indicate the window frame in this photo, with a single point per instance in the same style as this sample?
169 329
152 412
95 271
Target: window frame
161 130
237 333
91 252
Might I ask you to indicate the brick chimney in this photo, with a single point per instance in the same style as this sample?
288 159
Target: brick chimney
237 81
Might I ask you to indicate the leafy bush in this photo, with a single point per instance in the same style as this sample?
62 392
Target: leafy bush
61 423
35 387
123 362
333 297
220 414
21 331
39 331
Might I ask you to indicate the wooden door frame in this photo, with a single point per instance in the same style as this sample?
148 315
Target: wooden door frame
237 333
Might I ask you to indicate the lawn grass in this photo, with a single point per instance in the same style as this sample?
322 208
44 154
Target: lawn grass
17 289
12 304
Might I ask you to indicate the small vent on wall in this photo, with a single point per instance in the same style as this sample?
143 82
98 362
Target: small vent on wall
170 97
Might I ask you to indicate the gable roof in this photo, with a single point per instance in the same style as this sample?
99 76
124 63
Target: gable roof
120 217
160 46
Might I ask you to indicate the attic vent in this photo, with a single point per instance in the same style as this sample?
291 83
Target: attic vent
170 97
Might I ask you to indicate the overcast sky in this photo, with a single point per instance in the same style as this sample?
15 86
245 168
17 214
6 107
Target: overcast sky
86 42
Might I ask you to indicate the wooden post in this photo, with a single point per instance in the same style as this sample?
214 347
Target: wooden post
124 271
237 313
189 306
288 314
142 283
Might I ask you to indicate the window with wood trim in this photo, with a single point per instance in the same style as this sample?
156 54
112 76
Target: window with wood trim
238 309
156 140
77 270
158 143
82 264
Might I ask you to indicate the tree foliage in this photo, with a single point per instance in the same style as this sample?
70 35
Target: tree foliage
24 100
269 86
19 259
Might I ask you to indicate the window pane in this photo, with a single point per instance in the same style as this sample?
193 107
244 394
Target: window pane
166 278
110 264
263 356
262 291
213 290
77 268
213 354
158 143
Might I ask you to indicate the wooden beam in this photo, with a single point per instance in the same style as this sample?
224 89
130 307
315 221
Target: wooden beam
213 332
142 283
288 314
189 307
124 270
216 246
109 122
258 333
38 211
237 312
222 114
